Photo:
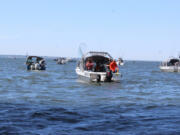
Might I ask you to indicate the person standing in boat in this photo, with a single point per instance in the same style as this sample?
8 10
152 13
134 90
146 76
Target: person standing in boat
89 65
113 66
98 67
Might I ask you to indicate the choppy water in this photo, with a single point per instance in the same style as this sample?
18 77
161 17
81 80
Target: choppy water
51 102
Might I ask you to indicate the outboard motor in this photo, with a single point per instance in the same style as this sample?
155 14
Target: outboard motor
109 75
98 78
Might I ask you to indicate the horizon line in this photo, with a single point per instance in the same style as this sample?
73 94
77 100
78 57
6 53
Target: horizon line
76 57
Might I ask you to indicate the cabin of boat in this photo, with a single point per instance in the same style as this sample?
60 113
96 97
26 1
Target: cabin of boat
100 71
35 63
171 65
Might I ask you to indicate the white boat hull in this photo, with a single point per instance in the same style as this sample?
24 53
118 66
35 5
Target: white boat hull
170 68
93 76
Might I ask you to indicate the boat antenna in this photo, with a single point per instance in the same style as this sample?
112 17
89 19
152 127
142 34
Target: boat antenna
82 49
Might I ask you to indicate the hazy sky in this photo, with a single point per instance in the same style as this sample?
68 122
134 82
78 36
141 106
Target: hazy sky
132 29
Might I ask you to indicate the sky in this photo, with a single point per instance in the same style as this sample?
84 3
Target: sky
131 29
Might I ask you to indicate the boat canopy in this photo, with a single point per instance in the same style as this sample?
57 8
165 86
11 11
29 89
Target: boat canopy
30 59
102 54
102 57
173 61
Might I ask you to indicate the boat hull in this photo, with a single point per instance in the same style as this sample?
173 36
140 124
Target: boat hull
170 68
96 76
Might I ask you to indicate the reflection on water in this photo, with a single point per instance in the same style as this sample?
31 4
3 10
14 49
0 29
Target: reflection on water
146 101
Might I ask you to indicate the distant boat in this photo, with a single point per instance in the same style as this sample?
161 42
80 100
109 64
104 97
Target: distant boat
71 59
100 74
120 62
171 65
35 63
61 60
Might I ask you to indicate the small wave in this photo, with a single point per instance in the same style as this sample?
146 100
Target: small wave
57 114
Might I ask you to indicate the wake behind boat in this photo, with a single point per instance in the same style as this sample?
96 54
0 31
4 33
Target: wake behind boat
171 65
98 67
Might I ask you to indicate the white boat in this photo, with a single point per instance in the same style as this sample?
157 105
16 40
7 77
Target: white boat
61 60
120 62
103 74
171 65
71 60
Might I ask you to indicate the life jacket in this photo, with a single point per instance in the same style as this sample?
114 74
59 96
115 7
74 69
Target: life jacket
113 66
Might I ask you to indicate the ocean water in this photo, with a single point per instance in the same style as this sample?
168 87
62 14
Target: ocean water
146 101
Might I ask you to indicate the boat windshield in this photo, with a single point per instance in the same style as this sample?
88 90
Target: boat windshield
33 59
